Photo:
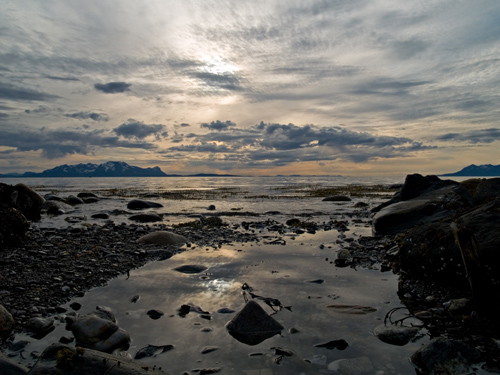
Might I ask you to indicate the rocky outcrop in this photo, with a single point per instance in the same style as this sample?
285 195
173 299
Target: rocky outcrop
13 225
23 199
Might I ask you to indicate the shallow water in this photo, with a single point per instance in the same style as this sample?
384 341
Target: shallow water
284 272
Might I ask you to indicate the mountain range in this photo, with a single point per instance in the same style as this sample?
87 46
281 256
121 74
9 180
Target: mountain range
484 170
108 169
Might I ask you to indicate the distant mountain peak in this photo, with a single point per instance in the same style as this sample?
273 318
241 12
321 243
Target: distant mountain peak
473 170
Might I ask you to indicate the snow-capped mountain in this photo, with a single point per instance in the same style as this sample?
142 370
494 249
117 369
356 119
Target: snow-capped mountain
108 169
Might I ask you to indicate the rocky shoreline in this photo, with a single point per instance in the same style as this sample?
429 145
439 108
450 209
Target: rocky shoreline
48 267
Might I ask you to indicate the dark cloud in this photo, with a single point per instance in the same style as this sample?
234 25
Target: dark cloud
113 87
11 92
225 81
88 116
59 143
39 109
3 116
268 144
139 130
218 125
473 136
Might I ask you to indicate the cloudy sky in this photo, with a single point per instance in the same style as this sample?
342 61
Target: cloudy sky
352 87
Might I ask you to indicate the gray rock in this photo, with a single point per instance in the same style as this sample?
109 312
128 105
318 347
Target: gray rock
93 332
73 201
53 207
7 322
396 335
445 357
163 238
252 325
59 359
13 225
39 325
139 204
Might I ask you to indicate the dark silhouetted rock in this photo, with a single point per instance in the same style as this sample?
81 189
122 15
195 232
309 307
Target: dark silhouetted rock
252 325
163 238
146 218
13 225
487 190
139 204
23 199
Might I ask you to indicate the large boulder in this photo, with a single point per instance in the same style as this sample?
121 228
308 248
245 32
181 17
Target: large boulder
432 206
164 238
22 198
430 250
13 225
59 359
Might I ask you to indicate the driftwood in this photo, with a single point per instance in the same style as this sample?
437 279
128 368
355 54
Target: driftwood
484 291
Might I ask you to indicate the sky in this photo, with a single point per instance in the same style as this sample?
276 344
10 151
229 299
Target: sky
319 87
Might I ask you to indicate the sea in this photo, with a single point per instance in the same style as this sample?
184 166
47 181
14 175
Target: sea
298 271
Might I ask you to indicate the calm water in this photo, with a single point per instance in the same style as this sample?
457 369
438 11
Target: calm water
277 271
